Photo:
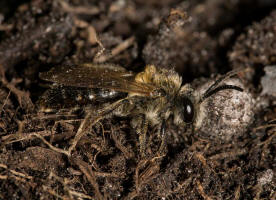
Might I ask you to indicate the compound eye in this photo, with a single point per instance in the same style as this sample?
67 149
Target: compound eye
188 110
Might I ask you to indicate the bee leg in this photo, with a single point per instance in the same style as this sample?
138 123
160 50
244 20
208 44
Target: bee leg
162 134
142 129
90 120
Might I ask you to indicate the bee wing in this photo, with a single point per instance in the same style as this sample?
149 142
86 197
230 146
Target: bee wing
91 75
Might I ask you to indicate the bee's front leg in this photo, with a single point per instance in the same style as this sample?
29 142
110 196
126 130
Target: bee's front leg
141 125
162 135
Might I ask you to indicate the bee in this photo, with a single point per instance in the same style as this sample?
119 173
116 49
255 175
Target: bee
151 97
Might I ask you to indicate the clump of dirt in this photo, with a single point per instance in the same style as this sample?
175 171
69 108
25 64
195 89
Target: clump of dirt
199 45
219 160
255 47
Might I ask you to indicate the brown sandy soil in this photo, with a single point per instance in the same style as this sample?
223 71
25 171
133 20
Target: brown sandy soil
232 155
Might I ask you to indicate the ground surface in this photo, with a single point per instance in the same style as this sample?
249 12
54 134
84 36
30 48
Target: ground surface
197 38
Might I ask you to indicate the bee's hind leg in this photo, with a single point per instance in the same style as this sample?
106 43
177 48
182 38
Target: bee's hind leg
91 119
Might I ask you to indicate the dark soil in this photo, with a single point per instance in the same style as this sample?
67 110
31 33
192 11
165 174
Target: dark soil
197 38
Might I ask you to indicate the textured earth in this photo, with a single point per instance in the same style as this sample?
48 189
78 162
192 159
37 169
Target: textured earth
230 153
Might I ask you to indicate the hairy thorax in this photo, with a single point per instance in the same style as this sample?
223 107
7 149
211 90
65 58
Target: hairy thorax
157 106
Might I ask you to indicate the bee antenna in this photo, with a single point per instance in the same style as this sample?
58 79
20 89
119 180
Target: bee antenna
224 77
222 87
214 89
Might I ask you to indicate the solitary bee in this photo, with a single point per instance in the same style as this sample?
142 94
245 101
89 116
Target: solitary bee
151 96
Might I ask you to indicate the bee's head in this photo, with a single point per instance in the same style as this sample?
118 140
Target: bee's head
188 110
186 107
